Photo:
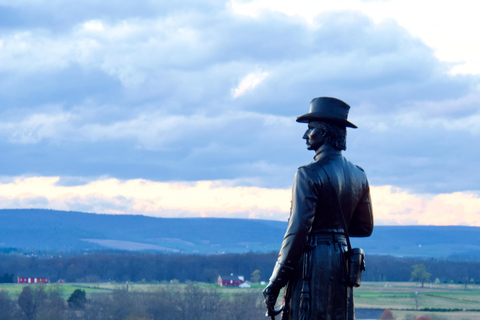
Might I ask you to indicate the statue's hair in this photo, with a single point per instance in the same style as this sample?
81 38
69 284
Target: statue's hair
336 135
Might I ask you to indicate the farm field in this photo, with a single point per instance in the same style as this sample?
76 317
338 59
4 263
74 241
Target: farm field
448 301
408 295
403 298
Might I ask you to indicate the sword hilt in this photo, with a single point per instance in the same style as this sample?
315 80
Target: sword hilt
272 313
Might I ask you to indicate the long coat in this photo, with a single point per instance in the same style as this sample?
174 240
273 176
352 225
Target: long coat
315 210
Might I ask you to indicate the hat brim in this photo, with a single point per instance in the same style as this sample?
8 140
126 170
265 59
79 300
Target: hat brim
316 117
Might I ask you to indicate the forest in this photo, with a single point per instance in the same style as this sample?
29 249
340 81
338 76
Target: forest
151 268
188 302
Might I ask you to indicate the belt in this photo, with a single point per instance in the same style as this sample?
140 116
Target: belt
328 238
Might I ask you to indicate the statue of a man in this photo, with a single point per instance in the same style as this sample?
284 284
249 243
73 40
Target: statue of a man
311 264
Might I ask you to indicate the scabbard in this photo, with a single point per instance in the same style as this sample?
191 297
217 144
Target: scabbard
305 294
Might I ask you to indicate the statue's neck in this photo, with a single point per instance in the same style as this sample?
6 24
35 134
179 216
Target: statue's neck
326 150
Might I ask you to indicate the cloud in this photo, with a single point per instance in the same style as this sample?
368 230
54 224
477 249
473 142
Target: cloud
154 130
395 206
194 199
348 49
450 38
35 127
249 82
392 206
189 91
182 59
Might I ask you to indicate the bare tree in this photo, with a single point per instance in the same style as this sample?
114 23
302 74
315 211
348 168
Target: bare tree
8 307
53 307
164 304
27 304
243 306
417 298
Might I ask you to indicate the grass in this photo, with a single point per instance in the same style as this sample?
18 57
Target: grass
14 289
402 299
404 295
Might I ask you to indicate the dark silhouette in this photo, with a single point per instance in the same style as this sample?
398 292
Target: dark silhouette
327 194
77 299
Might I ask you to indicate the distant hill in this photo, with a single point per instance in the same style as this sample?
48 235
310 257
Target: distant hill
50 230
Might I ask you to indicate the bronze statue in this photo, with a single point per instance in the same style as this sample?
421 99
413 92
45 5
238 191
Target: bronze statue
312 263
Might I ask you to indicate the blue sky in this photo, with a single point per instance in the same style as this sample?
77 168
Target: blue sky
188 108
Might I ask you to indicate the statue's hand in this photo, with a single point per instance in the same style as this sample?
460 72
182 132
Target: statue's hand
270 293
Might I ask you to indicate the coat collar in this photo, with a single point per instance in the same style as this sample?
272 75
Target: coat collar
326 153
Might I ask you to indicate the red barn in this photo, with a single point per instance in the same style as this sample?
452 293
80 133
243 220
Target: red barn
230 281
32 279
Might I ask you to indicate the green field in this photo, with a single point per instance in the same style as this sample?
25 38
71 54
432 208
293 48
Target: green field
403 298
450 301
407 295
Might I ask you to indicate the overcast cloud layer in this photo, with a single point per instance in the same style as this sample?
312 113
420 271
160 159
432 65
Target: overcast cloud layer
191 91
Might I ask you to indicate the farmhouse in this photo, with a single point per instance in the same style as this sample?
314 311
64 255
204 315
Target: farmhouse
230 281
32 279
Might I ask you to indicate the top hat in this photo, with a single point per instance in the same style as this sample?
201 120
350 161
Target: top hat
328 109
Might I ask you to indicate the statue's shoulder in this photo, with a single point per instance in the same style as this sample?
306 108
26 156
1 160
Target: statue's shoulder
315 171
313 166
320 164
358 167
311 172
352 165
355 170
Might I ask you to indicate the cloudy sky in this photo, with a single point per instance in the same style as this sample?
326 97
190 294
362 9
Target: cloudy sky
187 108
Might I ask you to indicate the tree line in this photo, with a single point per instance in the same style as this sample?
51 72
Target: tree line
188 302
387 268
145 267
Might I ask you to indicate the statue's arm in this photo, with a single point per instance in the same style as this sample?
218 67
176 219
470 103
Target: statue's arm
361 224
302 214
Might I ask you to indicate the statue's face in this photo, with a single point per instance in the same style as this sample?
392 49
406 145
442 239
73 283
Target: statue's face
313 135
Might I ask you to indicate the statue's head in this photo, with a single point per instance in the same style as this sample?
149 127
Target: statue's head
327 122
